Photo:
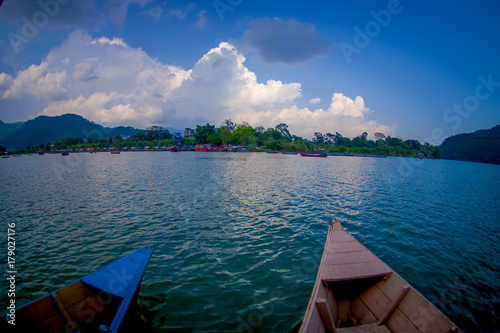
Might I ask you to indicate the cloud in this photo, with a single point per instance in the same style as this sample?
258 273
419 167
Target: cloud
315 100
107 81
202 20
154 12
38 81
344 115
75 13
224 87
288 42
118 9
182 13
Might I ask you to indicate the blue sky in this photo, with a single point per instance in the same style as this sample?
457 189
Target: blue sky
412 69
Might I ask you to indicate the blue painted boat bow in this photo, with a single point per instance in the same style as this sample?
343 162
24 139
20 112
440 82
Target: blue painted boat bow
121 278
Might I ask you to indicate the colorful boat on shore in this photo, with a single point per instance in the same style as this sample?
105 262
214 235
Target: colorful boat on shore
98 302
357 292
115 152
313 155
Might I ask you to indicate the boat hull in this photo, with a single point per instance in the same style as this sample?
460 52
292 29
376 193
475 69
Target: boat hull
96 303
313 155
355 291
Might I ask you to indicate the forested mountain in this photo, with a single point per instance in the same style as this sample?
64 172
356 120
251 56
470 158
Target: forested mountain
45 129
480 146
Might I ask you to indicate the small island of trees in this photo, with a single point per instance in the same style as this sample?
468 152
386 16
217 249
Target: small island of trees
230 135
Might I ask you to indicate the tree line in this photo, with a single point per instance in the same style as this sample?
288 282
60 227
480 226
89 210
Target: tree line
278 138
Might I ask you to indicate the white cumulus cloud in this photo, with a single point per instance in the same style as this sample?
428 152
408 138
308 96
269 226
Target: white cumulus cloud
39 81
344 115
107 81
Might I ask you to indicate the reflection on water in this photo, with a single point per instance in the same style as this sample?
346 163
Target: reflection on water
237 237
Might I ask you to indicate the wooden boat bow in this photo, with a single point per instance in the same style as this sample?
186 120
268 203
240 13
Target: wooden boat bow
355 291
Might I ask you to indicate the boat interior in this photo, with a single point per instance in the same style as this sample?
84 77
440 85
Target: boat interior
76 308
376 304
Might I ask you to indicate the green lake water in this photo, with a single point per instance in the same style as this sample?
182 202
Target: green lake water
237 237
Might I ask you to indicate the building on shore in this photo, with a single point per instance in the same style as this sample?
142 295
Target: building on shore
188 133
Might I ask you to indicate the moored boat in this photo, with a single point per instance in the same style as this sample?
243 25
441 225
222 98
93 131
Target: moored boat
377 156
313 155
96 303
115 152
65 153
355 291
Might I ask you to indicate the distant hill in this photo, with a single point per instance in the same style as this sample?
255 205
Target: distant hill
480 146
45 129
7 129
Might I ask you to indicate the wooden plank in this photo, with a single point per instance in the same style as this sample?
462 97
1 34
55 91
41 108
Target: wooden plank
354 271
345 247
344 310
331 299
63 312
73 293
361 313
394 304
351 257
53 324
375 300
341 237
391 286
336 226
400 323
315 325
370 328
423 314
95 308
325 314
39 310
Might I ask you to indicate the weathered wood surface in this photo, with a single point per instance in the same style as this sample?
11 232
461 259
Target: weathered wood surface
355 288
371 328
348 259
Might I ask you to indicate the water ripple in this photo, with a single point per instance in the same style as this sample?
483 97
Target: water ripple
237 238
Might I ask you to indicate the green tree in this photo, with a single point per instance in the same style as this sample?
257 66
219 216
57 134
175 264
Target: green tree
244 135
283 129
229 125
379 136
187 141
394 142
152 133
225 135
339 140
202 133
215 139
91 139
412 144
260 129
318 138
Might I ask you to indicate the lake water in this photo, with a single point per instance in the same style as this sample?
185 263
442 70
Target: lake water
237 237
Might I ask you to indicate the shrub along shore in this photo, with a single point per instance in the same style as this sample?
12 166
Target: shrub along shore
231 136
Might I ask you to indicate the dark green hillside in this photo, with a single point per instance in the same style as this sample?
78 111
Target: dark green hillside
45 129
480 146
7 129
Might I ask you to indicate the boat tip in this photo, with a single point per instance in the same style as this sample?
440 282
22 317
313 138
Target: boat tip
336 225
